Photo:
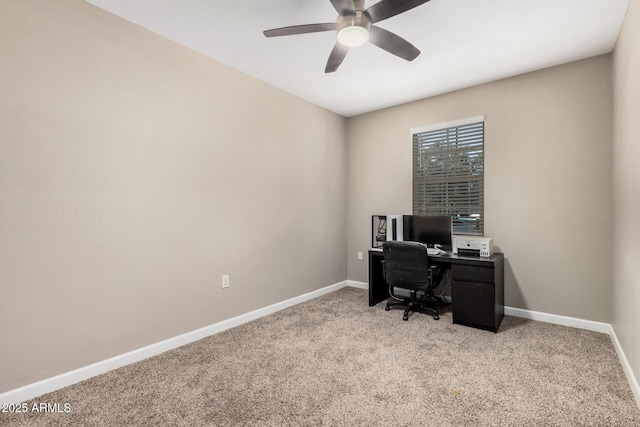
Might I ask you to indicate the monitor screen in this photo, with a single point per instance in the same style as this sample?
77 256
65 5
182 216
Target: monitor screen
429 229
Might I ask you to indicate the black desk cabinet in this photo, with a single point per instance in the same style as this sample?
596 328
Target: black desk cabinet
477 288
477 294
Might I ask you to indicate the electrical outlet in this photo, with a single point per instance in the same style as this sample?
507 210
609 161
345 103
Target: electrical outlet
225 281
359 255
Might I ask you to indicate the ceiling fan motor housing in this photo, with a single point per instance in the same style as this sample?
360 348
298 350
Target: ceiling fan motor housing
359 20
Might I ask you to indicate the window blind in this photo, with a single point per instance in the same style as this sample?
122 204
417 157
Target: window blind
448 175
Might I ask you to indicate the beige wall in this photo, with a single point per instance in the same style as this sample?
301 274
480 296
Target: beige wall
547 181
626 181
133 174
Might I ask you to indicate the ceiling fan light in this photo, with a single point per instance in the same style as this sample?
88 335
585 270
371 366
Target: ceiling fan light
353 36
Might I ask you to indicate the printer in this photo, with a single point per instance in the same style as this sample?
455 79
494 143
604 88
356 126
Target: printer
473 245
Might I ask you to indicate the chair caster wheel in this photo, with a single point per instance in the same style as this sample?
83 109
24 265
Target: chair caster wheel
436 317
405 317
387 308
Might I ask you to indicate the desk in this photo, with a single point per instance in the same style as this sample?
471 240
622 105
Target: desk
477 287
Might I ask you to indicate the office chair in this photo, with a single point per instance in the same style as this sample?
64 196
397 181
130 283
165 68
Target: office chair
411 278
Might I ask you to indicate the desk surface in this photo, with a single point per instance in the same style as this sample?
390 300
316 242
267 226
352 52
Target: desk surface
451 258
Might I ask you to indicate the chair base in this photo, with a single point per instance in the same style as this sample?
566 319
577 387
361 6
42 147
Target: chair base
418 306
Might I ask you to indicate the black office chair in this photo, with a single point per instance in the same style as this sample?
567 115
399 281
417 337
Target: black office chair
411 277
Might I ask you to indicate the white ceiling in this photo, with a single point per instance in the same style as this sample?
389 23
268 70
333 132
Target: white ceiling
463 43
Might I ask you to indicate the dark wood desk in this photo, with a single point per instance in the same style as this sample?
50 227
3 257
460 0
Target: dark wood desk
477 287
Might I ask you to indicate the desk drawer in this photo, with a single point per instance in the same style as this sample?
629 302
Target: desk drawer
472 273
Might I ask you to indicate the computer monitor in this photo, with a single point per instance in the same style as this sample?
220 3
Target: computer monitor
429 229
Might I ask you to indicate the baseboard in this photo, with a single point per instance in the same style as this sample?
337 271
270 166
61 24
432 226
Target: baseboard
626 367
39 388
573 322
356 284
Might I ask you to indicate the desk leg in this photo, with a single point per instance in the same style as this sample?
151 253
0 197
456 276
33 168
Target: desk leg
378 288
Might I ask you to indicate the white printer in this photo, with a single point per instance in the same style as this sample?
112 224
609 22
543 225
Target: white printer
473 245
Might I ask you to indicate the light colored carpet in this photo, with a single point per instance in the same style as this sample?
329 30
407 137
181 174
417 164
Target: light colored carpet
335 361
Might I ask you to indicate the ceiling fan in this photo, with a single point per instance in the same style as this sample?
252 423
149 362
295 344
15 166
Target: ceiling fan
355 27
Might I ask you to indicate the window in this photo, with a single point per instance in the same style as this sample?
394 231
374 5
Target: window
448 173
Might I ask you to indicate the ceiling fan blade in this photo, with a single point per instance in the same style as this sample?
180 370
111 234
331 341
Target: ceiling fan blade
300 29
337 56
344 7
393 43
388 8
